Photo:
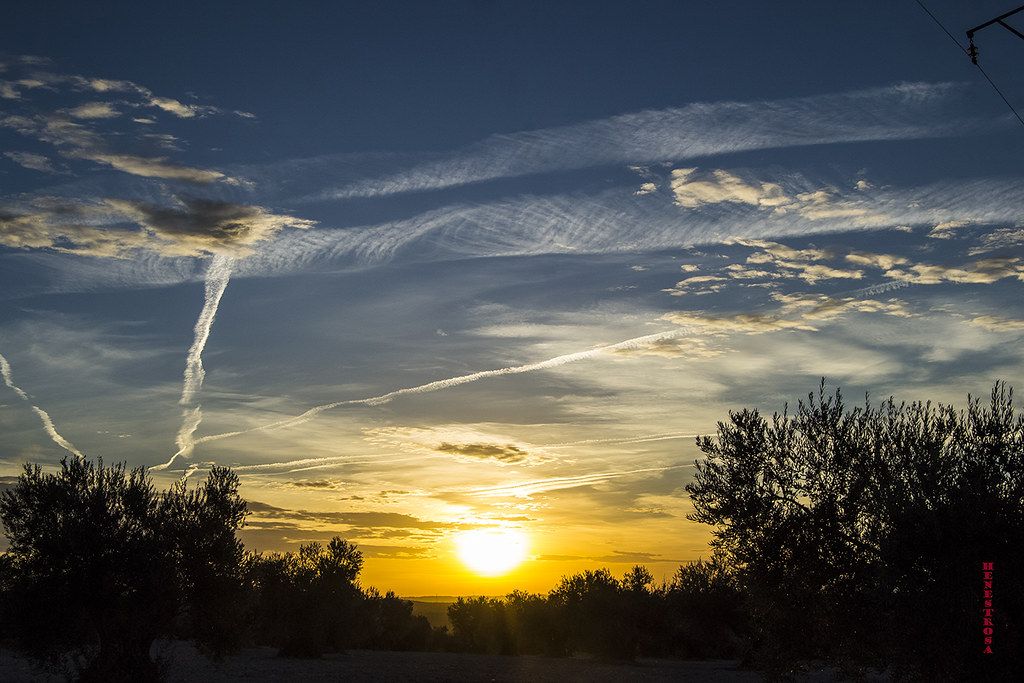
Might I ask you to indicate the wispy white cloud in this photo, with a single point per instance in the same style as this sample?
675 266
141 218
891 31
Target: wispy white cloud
33 162
902 111
995 323
438 385
525 489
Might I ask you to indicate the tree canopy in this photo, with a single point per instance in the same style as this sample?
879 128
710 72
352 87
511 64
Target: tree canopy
859 533
100 564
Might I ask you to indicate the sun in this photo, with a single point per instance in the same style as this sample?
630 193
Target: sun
491 552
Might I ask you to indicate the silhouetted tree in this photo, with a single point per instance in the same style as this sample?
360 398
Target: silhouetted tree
859 534
100 564
597 613
480 625
307 603
389 624
706 611
536 625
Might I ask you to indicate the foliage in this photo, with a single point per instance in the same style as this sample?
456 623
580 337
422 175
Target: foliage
100 565
307 602
389 624
859 533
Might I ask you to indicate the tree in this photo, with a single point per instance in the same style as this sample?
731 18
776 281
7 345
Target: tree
859 533
389 624
307 603
480 625
707 617
597 613
100 565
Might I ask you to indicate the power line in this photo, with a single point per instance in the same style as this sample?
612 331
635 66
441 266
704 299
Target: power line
939 24
1000 93
973 56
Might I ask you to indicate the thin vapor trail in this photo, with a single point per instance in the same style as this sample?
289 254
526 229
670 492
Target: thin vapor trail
217 277
881 288
375 461
642 438
437 385
44 417
527 488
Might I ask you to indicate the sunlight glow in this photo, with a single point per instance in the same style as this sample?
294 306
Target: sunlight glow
491 552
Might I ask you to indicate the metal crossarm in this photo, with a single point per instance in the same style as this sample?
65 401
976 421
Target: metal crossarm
972 50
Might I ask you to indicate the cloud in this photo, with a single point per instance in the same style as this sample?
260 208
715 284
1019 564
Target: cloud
694 190
946 229
1003 238
73 132
684 287
997 324
464 441
507 453
370 519
184 111
721 187
117 227
525 489
790 262
149 167
824 307
744 323
683 347
983 271
34 162
882 261
909 110
623 556
314 484
797 312
94 110
774 251
446 383
75 140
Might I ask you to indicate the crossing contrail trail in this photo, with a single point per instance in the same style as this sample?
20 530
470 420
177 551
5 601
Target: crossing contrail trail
217 277
527 488
44 417
438 385
625 440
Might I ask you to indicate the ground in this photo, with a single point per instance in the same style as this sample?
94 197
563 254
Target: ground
262 664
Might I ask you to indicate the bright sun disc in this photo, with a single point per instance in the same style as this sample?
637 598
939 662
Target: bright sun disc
491 552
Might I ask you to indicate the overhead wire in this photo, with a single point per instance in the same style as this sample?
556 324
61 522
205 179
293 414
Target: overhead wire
968 53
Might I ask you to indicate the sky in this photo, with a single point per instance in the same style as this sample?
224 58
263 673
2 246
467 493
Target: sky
419 270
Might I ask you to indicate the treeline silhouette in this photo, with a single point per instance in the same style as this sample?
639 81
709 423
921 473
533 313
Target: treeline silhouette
848 537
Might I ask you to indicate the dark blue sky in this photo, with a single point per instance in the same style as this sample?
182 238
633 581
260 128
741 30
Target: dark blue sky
358 76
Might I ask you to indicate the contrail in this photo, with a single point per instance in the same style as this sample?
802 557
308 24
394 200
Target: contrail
881 288
641 438
44 417
527 488
437 385
217 276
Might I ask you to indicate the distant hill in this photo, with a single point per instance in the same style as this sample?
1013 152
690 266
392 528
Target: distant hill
435 612
435 607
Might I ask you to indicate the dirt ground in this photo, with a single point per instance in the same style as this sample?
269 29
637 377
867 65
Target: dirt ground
262 664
